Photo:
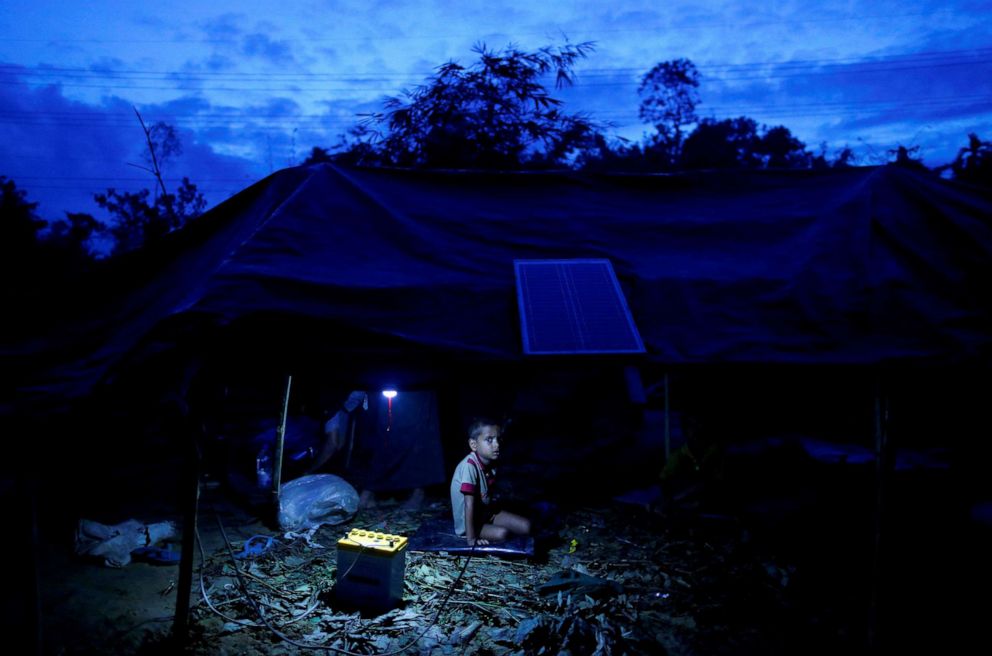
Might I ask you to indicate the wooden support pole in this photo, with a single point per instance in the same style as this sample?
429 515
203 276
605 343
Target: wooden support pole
280 441
191 502
881 422
33 612
24 616
188 434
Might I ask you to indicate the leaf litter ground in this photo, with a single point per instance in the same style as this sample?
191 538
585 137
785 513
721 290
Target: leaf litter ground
615 580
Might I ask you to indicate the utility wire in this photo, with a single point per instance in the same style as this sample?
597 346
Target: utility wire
712 72
663 27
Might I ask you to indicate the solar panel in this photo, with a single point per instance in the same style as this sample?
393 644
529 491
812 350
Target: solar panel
573 306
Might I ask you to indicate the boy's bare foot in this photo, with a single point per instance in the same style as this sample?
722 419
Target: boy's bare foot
415 501
366 500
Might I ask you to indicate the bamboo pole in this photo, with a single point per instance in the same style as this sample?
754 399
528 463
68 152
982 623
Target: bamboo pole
280 440
351 441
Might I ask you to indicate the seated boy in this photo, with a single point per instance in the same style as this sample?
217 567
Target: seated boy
477 516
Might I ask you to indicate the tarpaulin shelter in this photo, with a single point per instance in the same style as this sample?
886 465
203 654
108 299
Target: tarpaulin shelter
860 266
378 270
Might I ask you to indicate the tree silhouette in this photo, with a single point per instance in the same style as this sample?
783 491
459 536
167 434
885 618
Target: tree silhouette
40 269
974 161
780 149
64 248
904 157
617 155
135 219
163 144
730 143
19 260
495 113
71 238
19 224
742 143
317 155
669 96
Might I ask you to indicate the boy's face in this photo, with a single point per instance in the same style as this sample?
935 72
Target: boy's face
485 444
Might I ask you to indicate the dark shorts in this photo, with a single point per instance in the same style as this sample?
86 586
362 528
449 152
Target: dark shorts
489 515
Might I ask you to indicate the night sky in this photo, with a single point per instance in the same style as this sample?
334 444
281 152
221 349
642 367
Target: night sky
253 85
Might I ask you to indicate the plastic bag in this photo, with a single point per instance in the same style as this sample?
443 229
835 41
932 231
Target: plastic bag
114 544
310 501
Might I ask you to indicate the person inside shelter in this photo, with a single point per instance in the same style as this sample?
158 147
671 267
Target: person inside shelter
309 444
397 448
475 506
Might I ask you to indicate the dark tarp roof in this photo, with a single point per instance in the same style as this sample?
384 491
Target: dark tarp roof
855 266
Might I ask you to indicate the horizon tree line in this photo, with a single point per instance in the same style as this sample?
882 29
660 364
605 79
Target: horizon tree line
495 113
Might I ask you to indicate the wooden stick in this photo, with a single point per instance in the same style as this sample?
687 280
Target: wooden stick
668 434
280 440
156 169
351 440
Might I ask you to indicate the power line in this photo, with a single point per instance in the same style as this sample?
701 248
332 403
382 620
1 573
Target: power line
924 55
74 77
263 122
170 180
921 55
657 28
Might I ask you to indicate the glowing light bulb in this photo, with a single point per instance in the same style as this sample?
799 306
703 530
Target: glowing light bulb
389 394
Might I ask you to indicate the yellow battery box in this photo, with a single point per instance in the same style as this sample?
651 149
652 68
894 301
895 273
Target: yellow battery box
371 566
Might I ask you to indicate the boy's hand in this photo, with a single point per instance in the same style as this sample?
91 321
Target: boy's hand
478 542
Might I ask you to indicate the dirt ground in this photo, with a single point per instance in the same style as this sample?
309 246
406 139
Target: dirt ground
787 580
686 589
90 608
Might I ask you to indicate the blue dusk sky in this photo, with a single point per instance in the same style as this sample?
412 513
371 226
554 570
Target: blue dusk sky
253 85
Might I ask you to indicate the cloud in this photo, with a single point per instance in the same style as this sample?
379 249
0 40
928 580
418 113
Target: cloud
213 63
277 53
906 93
63 151
224 27
262 87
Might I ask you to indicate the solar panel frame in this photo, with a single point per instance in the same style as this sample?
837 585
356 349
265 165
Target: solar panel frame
589 326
